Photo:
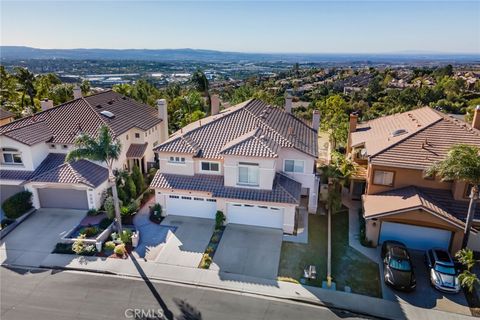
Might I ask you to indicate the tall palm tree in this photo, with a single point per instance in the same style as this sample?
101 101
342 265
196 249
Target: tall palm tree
26 79
200 82
462 164
103 148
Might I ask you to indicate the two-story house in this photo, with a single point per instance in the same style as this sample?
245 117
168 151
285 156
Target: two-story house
33 148
252 161
400 201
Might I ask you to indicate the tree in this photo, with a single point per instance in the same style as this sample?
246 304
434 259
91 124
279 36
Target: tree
26 80
85 87
61 93
462 164
104 148
138 179
335 120
467 278
45 83
8 94
200 82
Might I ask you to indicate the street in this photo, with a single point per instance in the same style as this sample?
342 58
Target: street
49 294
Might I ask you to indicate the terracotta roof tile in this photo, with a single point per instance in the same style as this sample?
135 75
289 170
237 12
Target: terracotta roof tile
208 137
4 114
252 144
285 190
136 150
50 162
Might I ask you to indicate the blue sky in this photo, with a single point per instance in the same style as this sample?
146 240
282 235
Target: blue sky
247 26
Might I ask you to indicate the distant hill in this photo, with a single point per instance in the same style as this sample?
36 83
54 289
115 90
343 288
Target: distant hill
19 52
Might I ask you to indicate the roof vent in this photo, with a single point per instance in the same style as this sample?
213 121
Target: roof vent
107 114
98 106
110 102
398 132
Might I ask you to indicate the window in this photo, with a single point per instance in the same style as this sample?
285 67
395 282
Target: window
126 137
65 146
52 146
211 200
384 178
294 166
198 199
137 135
248 173
11 156
210 166
187 198
174 197
179 160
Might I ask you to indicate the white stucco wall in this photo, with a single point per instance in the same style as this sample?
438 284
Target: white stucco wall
266 171
32 156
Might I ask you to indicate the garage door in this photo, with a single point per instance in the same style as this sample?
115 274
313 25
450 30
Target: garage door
262 216
415 237
191 206
63 198
8 191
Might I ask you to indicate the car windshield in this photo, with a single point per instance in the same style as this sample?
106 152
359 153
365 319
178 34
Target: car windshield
445 269
399 264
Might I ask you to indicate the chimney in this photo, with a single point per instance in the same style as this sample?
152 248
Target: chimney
163 114
77 92
352 128
316 120
46 104
215 104
288 102
476 118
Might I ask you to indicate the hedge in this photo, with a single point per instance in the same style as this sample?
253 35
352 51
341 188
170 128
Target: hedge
17 204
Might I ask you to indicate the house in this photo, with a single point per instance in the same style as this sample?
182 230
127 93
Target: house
400 201
252 161
6 116
34 148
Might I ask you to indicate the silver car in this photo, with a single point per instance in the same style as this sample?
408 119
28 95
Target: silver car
443 275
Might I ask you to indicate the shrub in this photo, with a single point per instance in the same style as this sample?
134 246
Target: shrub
92 212
109 246
5 222
89 231
120 250
130 188
156 207
109 207
80 248
137 178
126 236
206 261
17 204
219 219
63 248
122 195
151 174
132 207
209 250
215 238
105 223
124 211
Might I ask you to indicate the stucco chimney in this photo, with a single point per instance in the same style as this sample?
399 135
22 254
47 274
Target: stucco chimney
215 104
476 118
77 92
288 102
46 104
163 114
316 120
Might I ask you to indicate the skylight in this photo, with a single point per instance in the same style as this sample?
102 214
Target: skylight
107 114
398 132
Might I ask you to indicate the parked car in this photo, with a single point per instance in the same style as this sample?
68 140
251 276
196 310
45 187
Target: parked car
443 274
397 266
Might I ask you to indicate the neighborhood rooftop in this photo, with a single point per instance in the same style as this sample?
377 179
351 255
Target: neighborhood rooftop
61 124
254 128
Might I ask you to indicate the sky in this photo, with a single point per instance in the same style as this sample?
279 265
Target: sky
248 26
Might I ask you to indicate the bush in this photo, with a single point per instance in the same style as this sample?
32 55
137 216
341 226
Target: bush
92 212
5 222
120 250
109 207
122 195
63 248
130 188
132 207
219 219
109 246
17 204
124 211
126 236
137 178
156 207
105 223
215 238
209 250
89 231
80 248
206 261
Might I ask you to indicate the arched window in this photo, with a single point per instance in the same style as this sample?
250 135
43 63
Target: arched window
11 156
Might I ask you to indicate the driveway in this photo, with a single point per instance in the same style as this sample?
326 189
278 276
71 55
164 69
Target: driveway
35 238
425 296
248 250
188 243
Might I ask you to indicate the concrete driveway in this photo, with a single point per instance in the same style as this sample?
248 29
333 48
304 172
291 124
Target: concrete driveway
187 245
248 250
425 296
35 238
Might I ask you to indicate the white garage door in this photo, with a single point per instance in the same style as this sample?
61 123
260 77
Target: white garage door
415 237
191 206
262 216
63 198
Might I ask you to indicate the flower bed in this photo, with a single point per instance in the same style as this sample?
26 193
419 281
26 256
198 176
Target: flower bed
92 230
207 257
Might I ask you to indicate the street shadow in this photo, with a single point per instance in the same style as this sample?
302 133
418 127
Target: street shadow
187 311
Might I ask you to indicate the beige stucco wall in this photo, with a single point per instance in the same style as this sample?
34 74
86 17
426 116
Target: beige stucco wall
418 218
403 178
188 168
32 156
266 171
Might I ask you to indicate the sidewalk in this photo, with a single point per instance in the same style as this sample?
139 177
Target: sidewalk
244 284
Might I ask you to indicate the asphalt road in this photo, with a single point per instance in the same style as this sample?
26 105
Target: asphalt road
47 294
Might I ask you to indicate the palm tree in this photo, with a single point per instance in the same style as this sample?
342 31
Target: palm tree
467 278
200 82
26 79
462 164
103 148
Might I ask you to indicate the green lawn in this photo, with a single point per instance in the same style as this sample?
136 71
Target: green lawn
349 267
